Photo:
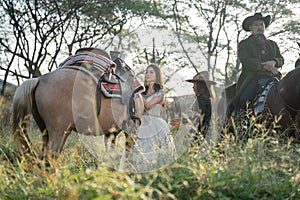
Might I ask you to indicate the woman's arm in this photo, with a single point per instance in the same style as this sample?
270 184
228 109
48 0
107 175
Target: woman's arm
155 100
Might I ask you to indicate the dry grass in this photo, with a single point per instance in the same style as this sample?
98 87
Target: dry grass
263 167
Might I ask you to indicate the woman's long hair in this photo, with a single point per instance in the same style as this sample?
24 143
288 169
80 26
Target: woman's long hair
202 89
158 85
205 90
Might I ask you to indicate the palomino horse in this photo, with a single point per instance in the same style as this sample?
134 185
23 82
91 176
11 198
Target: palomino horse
72 98
279 100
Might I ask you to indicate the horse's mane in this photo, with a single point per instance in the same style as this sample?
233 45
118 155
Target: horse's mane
297 63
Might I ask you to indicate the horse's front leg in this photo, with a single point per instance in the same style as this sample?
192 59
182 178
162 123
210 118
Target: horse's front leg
126 158
110 138
297 124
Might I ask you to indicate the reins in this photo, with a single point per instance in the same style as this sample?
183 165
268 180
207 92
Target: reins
131 110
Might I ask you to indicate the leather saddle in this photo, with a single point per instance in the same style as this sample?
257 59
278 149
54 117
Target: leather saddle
115 79
122 84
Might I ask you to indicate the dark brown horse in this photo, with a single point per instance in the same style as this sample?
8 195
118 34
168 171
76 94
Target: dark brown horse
279 100
69 99
283 101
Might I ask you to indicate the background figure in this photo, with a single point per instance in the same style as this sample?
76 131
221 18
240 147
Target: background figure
154 145
204 93
260 58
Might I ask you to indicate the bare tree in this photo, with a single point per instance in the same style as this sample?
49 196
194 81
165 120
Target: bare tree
34 33
215 27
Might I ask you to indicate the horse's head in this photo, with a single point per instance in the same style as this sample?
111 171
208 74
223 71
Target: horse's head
136 106
123 71
131 126
131 90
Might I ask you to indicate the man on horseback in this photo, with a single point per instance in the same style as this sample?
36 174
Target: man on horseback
260 58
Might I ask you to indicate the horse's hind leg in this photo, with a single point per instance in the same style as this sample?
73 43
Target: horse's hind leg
22 140
45 148
56 143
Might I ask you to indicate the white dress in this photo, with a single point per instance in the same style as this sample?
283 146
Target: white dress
154 145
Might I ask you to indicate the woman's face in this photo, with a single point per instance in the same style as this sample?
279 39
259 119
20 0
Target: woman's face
150 75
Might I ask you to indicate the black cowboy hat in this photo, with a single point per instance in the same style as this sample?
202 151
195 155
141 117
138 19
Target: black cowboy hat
257 16
201 76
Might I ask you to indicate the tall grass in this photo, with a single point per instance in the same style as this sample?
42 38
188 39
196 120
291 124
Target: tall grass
263 167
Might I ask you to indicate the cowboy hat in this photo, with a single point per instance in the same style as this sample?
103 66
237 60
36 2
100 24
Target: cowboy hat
201 76
248 21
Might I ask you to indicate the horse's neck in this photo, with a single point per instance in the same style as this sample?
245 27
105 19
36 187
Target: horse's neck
288 90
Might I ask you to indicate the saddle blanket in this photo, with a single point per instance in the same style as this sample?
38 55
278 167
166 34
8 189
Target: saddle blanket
114 89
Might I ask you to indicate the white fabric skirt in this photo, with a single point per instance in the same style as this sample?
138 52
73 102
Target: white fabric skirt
154 147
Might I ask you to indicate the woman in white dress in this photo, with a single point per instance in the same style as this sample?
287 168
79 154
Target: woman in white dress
154 145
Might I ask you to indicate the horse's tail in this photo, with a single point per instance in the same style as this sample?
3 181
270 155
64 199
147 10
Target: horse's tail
22 107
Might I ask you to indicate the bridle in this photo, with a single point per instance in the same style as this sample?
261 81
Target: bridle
131 110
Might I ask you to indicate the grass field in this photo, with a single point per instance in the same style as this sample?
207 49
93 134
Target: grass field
266 166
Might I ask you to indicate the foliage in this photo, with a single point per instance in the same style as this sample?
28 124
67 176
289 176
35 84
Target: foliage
34 33
215 28
265 166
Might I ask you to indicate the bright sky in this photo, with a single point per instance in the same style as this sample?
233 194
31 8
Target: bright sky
163 40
